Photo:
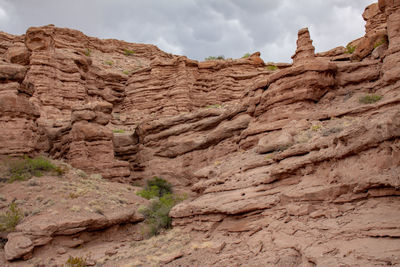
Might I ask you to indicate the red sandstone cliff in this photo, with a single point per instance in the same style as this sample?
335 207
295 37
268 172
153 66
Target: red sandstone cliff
286 167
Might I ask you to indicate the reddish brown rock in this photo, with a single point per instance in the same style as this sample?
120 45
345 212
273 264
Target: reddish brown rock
305 49
294 165
91 145
391 66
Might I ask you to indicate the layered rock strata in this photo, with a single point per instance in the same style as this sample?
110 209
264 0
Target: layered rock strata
283 165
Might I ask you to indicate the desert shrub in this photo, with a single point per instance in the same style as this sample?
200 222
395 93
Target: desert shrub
109 62
369 99
246 55
118 131
156 214
88 52
126 72
382 41
10 218
128 52
214 58
156 187
272 67
350 49
25 168
214 106
76 262
316 127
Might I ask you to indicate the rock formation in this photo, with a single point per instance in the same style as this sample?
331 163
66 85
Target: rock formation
289 165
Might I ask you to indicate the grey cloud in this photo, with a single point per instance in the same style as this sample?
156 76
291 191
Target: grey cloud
198 28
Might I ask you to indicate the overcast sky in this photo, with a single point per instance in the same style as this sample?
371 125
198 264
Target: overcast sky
198 28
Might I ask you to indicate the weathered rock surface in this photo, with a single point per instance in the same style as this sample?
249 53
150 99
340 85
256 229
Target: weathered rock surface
283 164
65 207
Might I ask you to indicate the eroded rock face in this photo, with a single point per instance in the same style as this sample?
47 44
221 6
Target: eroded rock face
305 49
284 164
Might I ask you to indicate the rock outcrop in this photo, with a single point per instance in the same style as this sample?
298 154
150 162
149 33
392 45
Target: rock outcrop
283 164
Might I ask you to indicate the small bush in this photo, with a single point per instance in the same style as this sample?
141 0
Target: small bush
126 72
109 62
118 131
10 218
272 67
88 52
25 168
159 191
350 49
128 52
156 187
215 58
369 99
246 55
156 214
214 106
316 127
380 42
76 262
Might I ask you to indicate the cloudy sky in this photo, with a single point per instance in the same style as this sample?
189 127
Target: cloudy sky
198 28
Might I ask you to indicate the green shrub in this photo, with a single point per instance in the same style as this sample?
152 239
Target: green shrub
126 72
10 218
316 127
118 131
159 191
272 67
350 49
109 62
23 169
88 52
156 214
246 55
156 187
215 58
369 99
76 262
128 52
382 41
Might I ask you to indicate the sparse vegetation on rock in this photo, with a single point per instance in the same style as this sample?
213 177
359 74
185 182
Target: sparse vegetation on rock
10 218
382 41
156 187
88 52
128 52
109 62
215 58
369 99
26 167
246 55
350 49
76 262
162 199
272 67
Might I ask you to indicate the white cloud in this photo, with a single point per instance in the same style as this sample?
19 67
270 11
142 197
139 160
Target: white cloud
4 18
167 47
199 28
